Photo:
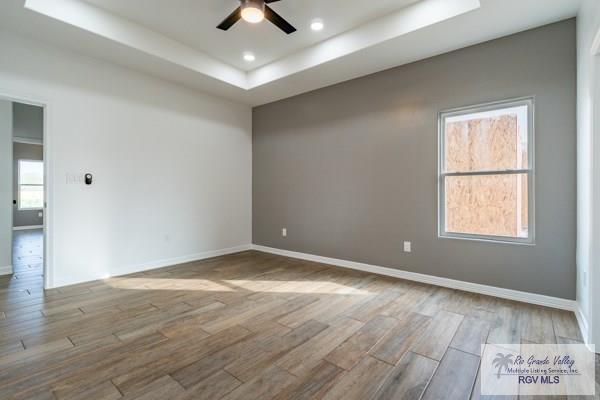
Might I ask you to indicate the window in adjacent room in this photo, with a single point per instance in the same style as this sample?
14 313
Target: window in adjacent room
486 172
31 185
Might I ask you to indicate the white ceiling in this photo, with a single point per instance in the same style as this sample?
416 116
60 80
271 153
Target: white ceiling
177 39
193 23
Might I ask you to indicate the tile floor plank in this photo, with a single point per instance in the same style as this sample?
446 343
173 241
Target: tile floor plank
407 332
438 335
349 353
454 377
408 379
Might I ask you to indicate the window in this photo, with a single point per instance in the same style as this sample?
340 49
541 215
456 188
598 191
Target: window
31 185
486 172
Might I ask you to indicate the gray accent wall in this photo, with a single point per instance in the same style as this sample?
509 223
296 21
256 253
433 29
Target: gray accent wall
351 170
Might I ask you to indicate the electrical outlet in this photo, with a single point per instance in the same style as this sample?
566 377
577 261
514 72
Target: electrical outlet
284 232
407 247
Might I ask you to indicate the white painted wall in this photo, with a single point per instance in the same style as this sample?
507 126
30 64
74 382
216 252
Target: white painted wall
595 263
588 232
172 167
5 182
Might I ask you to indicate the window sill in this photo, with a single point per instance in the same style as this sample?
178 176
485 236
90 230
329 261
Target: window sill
524 242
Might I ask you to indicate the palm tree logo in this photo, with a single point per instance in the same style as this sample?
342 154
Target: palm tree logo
502 360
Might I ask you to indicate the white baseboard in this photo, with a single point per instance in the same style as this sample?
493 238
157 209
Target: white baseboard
26 228
7 270
156 264
186 259
583 325
538 299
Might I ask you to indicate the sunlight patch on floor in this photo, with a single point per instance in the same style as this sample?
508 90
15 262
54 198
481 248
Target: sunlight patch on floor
233 285
204 285
324 287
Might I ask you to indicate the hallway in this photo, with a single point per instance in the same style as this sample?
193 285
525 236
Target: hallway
28 258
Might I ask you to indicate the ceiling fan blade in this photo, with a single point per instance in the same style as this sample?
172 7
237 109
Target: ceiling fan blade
271 1
234 17
278 21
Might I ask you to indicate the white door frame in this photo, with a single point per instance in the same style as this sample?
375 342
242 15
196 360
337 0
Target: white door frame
48 264
594 266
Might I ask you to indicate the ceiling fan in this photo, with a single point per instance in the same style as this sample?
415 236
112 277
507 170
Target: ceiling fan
255 11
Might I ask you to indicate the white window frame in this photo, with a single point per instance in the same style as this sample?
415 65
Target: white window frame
19 185
530 170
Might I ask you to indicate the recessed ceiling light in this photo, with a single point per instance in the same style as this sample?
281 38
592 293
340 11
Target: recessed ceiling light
317 25
248 56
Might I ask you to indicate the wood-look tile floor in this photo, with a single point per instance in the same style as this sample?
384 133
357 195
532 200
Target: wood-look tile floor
253 326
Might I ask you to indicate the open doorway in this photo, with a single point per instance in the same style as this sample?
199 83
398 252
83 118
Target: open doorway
22 131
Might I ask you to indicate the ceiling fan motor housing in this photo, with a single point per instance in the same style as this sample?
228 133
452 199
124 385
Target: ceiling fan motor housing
253 4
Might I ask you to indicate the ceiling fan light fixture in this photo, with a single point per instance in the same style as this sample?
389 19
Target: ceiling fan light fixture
253 11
